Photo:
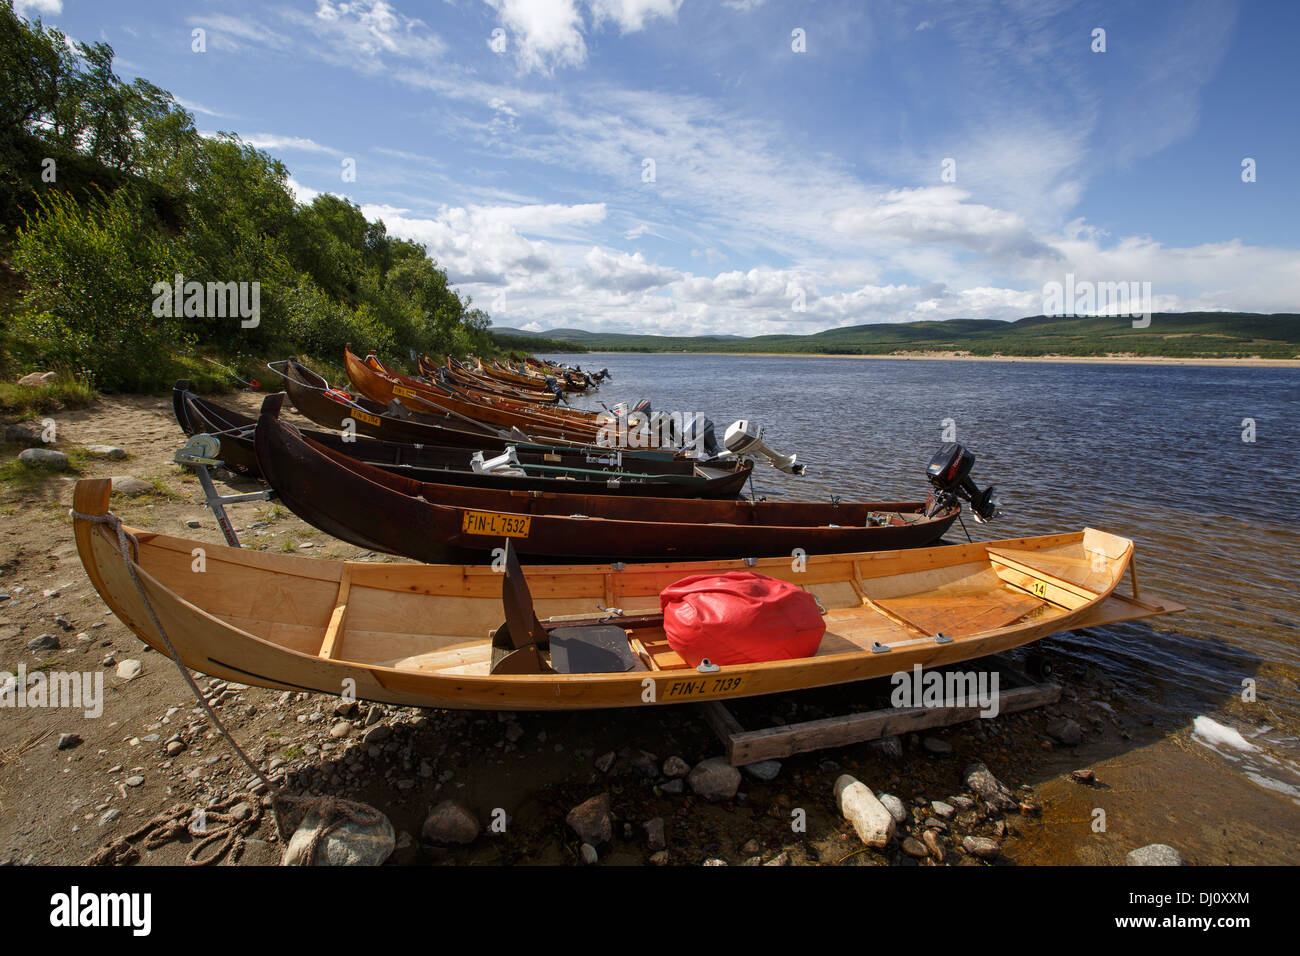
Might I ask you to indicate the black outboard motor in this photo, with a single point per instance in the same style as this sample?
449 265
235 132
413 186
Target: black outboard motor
698 433
949 472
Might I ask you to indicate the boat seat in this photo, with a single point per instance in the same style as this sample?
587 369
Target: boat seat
594 649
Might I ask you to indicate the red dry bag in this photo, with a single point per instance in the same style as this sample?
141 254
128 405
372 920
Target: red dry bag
740 618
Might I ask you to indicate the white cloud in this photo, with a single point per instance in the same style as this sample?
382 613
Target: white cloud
546 33
373 27
200 108
631 15
38 8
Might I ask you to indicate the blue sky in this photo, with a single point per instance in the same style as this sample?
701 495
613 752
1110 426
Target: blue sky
781 178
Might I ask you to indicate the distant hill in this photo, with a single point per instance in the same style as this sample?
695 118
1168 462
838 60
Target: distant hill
1170 334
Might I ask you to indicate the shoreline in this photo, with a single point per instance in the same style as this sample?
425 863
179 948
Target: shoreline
1035 359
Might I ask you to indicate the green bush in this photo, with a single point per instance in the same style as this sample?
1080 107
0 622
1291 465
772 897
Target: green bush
89 274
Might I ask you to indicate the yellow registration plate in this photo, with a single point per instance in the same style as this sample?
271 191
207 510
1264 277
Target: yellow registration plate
405 392
497 525
701 687
364 417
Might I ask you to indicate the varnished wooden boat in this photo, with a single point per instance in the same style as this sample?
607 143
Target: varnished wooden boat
417 635
432 522
383 388
313 397
569 471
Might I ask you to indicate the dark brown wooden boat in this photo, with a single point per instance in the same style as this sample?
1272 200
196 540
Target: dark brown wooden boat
600 471
434 523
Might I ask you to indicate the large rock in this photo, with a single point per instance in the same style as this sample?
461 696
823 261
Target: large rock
1154 854
591 820
714 779
37 379
450 823
981 782
1066 731
43 456
27 434
348 844
131 487
871 819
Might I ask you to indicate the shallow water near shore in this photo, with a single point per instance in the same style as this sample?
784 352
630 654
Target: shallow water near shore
1155 453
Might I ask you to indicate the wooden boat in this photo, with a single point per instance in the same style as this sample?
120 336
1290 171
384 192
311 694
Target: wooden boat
570 471
381 511
380 387
417 635
313 397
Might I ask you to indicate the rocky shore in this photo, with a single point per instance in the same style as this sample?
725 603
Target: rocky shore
150 779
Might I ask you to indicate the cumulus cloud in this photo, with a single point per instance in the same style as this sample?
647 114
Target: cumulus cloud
31 9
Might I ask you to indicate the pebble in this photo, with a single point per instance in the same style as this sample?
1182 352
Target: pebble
943 810
897 809
591 820
891 747
675 766
933 844
1066 731
940 748
1083 776
589 854
46 642
134 781
765 770
340 730
605 761
1154 854
68 741
377 734
915 848
654 831
114 452
982 847
714 779
175 748
374 715
981 782
129 669
781 859
450 823
109 816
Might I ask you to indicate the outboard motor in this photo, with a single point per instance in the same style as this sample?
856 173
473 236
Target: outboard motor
698 435
949 472
745 438
505 464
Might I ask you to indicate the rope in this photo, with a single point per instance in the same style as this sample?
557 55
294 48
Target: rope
168 826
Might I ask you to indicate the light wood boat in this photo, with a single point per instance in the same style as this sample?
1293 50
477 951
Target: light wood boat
418 635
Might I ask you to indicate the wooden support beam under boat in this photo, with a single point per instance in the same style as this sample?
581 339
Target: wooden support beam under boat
751 746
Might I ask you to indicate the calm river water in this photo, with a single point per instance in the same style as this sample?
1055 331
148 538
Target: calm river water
1155 453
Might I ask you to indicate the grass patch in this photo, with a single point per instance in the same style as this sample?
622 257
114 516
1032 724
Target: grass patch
292 752
286 546
270 513
67 391
18 475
